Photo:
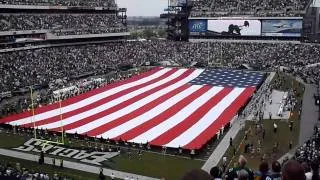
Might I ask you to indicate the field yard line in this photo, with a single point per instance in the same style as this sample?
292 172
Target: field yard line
73 165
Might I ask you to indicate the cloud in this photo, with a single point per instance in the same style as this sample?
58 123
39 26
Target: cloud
143 7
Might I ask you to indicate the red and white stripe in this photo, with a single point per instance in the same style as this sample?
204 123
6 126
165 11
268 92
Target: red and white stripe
159 106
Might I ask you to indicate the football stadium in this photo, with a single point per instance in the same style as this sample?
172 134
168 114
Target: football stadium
167 90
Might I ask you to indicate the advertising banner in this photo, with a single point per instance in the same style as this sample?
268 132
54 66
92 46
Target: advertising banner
197 27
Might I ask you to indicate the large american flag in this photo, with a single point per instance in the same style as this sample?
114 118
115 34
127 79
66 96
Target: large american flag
170 107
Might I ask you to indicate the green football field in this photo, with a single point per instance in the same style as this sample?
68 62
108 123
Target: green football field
151 164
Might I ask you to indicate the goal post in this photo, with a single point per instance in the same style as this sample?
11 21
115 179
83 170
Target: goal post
45 141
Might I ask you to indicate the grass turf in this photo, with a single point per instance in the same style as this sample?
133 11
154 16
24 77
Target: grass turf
283 135
170 168
150 164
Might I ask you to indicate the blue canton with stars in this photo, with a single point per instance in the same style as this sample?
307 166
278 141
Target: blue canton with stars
229 78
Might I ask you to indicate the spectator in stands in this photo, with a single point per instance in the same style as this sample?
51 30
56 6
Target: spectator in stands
292 170
310 149
315 169
307 170
7 171
90 3
218 8
51 65
64 24
70 61
233 172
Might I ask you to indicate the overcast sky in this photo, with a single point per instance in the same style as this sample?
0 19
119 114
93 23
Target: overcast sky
143 7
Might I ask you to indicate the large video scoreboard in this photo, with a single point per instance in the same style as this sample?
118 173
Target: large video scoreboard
266 27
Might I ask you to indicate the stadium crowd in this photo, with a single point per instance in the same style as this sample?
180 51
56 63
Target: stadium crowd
91 3
310 149
42 66
220 8
63 24
62 89
10 171
289 170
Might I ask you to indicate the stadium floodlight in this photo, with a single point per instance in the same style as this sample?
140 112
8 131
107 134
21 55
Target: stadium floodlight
45 142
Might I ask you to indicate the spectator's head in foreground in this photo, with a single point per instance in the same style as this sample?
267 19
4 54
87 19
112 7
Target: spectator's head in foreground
243 175
276 167
264 167
292 170
215 172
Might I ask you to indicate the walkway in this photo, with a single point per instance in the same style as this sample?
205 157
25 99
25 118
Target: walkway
73 165
288 155
309 115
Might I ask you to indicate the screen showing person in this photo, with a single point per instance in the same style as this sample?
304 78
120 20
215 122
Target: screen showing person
234 27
